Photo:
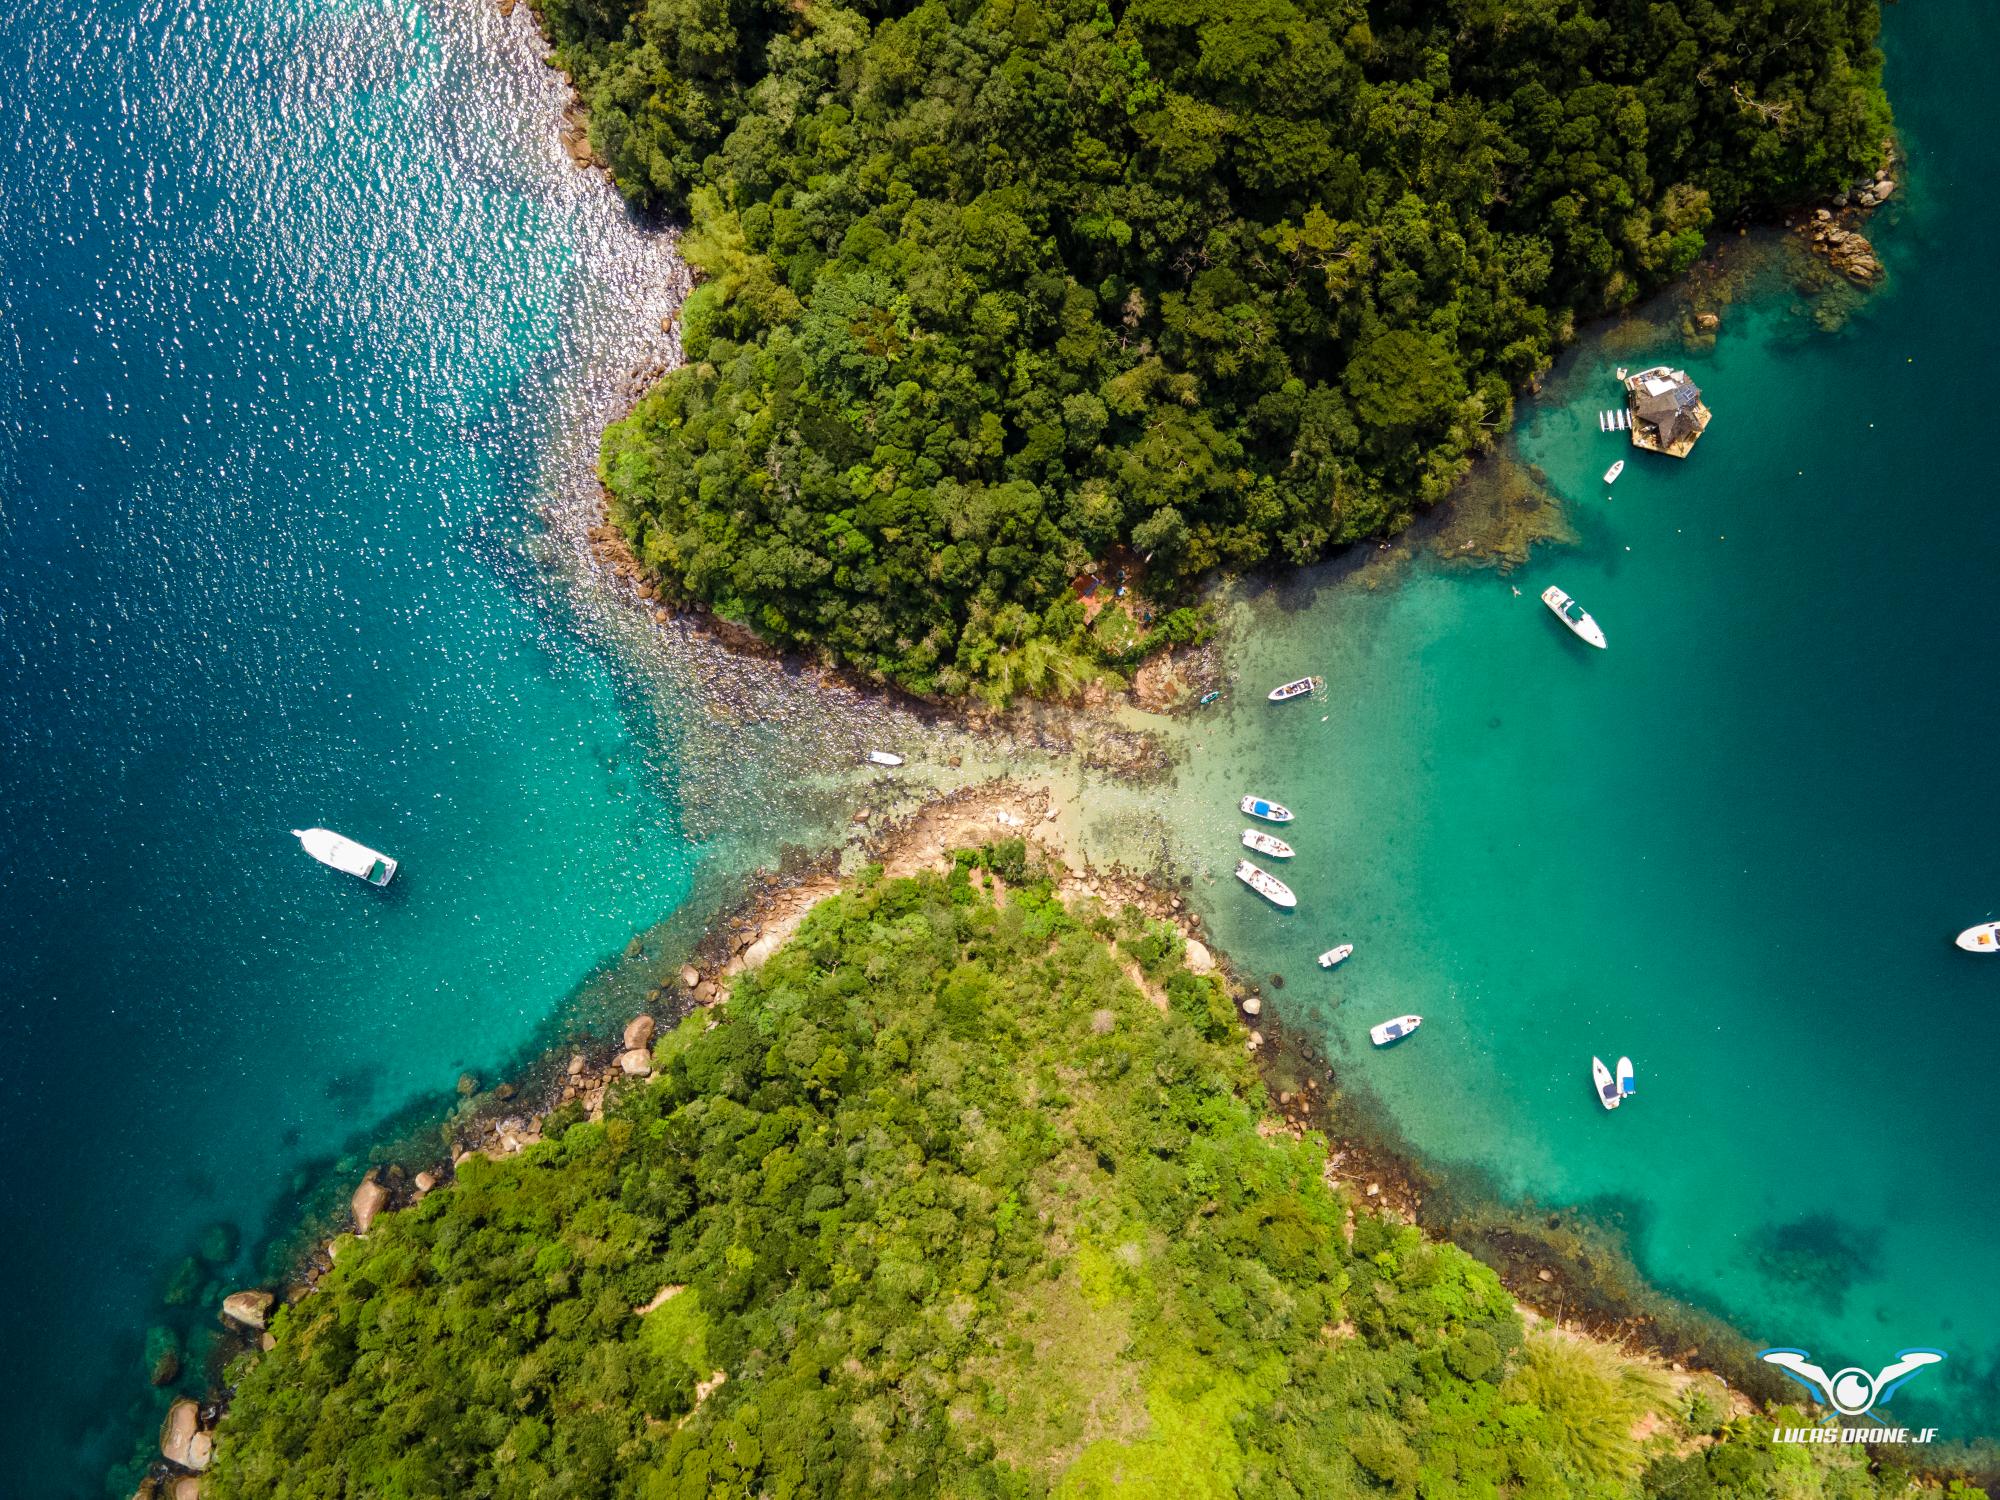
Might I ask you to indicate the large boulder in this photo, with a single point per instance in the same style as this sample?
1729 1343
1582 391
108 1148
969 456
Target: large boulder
247 1309
178 1432
201 1449
639 1032
1199 959
187 1487
690 976
368 1201
636 1062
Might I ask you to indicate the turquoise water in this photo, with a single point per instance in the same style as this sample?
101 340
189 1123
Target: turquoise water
306 320
1735 845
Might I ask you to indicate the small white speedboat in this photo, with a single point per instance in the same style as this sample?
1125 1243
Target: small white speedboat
1394 1031
1626 1087
1605 1084
1263 807
1266 885
1573 615
343 854
1611 474
1338 955
883 758
1267 843
1983 938
1298 687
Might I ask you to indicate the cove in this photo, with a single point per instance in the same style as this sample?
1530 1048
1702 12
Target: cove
1735 845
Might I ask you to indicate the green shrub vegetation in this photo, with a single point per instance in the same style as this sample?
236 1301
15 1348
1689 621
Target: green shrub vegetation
956 1211
992 285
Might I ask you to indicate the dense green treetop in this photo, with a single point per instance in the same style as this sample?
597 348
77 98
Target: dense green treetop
991 285
956 1210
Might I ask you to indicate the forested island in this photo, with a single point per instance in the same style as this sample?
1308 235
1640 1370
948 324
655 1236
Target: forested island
967 1190
992 290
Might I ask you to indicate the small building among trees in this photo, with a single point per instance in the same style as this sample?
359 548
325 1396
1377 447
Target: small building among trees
1667 410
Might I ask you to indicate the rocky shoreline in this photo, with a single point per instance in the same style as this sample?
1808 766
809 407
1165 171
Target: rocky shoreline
1831 231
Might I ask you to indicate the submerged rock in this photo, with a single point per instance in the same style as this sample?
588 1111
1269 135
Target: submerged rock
219 1243
163 1356
184 1286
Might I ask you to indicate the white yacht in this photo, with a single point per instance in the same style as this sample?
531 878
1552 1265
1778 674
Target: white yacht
1626 1086
1983 938
1573 615
343 854
1265 808
1394 1031
1338 955
1611 474
1605 1084
1266 843
1266 885
1298 687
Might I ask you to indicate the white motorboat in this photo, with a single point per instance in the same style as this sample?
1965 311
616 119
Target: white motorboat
1605 1084
1338 955
1298 687
883 758
1394 1031
1626 1087
1611 474
1983 938
1263 807
343 854
1573 615
1266 885
1267 843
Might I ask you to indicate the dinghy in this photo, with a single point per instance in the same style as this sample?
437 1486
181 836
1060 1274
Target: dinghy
346 856
1265 843
1394 1031
1297 688
1626 1087
883 758
1573 615
1334 956
1268 886
1269 811
1208 697
1611 474
1984 938
1604 1083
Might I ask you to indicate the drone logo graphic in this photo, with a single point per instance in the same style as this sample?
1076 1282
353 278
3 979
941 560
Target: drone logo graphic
1851 1392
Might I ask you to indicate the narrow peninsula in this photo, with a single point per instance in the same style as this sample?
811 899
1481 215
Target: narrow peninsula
966 1185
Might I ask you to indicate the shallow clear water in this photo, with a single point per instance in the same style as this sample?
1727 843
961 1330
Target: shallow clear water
308 327
1735 845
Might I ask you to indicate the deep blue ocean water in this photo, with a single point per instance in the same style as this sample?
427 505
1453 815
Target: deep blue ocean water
304 325
1736 844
